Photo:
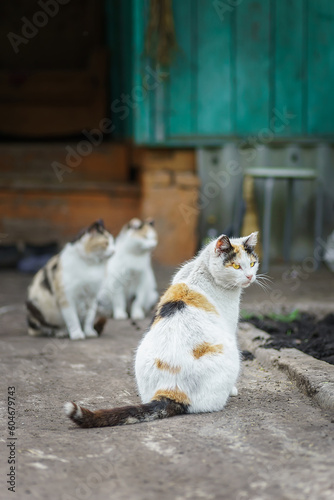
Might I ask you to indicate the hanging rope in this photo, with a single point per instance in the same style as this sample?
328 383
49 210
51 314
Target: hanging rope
160 38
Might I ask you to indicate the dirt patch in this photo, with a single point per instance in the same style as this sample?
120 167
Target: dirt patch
306 333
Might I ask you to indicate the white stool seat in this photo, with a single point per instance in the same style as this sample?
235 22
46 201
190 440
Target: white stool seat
282 173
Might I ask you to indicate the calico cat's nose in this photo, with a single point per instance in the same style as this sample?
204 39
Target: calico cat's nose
249 276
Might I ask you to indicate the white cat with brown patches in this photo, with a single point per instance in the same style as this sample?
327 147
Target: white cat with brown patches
62 292
130 281
189 361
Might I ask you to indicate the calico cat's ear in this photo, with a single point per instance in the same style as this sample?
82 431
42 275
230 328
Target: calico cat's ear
150 221
250 241
135 224
98 226
223 245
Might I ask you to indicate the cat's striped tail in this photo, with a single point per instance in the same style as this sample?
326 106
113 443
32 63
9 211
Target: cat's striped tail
156 409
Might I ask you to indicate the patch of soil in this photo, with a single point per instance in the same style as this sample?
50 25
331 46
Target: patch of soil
305 333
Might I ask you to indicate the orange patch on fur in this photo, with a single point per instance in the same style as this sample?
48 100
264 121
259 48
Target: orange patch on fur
97 242
142 232
141 228
174 394
238 250
180 291
206 348
162 365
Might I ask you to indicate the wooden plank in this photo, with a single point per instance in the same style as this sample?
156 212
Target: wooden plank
33 163
164 159
289 57
320 67
214 70
41 216
181 73
252 66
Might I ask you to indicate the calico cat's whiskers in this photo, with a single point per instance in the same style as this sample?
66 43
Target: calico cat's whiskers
265 278
264 281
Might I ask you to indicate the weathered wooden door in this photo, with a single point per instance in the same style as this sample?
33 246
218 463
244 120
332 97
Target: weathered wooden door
243 68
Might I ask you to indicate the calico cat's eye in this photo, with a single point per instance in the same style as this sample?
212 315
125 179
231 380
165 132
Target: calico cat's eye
236 266
252 264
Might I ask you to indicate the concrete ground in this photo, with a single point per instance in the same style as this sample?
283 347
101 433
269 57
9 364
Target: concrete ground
270 442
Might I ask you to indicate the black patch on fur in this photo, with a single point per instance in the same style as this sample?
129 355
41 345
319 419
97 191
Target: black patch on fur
150 222
45 283
250 252
170 308
155 316
54 267
229 257
248 249
99 325
97 226
32 325
36 313
256 256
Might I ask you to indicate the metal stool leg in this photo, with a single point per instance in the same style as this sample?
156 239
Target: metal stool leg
288 222
318 222
268 195
238 208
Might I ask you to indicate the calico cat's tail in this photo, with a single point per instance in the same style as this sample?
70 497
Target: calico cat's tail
156 409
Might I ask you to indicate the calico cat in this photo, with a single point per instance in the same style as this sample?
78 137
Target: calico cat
130 280
62 292
188 361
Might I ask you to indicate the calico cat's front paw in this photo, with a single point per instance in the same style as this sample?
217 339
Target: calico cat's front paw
120 314
77 335
91 333
137 313
234 391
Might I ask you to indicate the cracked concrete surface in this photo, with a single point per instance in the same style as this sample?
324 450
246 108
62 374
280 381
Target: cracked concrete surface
270 442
